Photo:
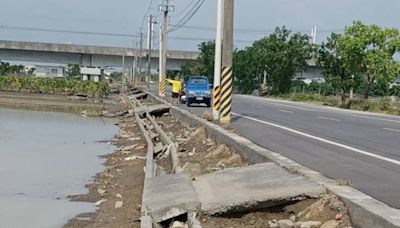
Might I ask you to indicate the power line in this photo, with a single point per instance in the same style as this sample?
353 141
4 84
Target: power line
188 16
65 31
184 9
253 31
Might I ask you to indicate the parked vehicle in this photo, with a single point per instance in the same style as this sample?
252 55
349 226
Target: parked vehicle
198 91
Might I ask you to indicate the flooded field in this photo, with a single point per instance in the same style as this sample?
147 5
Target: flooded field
44 157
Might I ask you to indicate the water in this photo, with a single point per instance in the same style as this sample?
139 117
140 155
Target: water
44 157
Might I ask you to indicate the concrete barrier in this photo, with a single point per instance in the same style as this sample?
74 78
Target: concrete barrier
364 210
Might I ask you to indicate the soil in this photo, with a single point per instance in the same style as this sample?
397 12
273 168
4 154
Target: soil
53 103
197 153
327 208
120 181
123 181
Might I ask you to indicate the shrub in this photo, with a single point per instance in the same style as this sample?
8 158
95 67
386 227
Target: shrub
54 86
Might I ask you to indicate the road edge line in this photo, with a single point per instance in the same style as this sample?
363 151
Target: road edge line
364 210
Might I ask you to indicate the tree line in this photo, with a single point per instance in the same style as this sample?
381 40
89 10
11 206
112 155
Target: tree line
360 59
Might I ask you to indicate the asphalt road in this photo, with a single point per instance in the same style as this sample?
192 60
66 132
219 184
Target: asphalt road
361 148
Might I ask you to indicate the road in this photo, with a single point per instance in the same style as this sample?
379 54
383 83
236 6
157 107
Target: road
361 148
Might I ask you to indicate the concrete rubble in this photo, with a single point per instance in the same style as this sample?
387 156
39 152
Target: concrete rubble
242 189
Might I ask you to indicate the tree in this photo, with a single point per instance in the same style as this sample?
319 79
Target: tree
368 50
204 65
31 71
4 68
246 75
281 55
73 70
334 72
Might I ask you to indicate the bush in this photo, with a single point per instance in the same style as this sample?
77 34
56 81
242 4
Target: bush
312 97
54 86
382 105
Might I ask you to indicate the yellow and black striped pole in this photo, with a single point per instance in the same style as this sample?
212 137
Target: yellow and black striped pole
162 85
226 95
217 101
227 63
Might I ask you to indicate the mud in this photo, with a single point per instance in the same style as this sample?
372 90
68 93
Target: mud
53 103
120 183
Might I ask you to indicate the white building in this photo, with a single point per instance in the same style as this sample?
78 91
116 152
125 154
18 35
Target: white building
49 71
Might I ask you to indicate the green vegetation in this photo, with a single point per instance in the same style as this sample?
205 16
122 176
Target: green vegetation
280 55
8 69
53 86
73 70
361 59
204 65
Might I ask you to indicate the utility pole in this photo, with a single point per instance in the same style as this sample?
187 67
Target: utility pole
163 48
217 62
140 54
123 72
149 44
227 64
134 67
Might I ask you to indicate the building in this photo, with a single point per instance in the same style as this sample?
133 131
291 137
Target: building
91 73
49 71
311 73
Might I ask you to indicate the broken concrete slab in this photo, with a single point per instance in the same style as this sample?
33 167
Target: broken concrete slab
169 196
156 110
138 96
253 187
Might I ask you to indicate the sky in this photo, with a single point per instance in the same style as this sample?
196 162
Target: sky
122 19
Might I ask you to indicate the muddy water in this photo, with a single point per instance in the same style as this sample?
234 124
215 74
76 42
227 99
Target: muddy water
44 157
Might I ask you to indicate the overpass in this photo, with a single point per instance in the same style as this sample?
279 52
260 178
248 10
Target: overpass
86 55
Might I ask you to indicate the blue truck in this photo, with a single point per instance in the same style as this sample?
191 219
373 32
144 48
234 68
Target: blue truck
198 91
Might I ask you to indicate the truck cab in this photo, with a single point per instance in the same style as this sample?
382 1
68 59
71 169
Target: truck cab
198 91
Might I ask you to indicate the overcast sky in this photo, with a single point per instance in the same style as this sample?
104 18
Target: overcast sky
126 16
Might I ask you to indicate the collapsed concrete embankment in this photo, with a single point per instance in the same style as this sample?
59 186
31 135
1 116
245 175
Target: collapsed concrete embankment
363 209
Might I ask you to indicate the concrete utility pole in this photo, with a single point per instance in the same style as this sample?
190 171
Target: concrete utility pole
163 48
227 64
314 34
149 46
140 54
135 60
161 83
123 72
217 63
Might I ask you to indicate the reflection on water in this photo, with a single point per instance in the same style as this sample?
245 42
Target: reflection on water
44 157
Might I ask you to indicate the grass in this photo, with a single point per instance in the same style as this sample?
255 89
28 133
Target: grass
381 105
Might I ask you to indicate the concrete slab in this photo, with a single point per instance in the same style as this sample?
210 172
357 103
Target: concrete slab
158 109
169 196
253 187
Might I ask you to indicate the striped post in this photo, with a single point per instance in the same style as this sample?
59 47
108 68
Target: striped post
162 84
226 95
217 99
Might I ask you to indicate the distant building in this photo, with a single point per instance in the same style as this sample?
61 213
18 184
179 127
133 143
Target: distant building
91 73
311 73
49 71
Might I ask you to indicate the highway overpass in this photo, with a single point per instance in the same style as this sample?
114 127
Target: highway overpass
86 55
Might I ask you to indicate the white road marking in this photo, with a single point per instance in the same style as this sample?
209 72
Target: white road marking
287 111
390 129
326 118
374 118
284 105
366 153
322 109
